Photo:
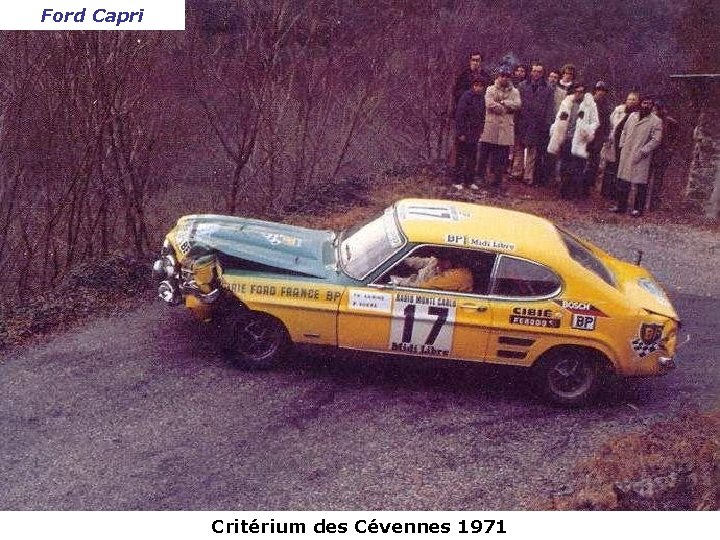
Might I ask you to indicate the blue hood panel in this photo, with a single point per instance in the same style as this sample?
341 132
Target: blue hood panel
277 245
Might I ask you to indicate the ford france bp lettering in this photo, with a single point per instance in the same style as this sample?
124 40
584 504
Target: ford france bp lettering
438 279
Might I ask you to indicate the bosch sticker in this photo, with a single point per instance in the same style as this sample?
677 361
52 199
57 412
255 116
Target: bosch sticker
580 307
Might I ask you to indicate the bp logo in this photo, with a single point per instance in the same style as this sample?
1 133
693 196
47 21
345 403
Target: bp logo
649 339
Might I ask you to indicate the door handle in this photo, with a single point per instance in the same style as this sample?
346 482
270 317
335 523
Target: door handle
476 307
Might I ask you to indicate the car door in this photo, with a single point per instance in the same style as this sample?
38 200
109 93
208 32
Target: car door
395 316
526 318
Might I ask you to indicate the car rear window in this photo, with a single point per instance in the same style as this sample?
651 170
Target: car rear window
518 278
586 258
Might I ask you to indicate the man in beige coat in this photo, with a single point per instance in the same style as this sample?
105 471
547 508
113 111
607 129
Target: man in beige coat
611 149
640 137
502 99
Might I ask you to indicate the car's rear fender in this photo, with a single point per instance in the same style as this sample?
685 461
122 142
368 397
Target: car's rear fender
596 351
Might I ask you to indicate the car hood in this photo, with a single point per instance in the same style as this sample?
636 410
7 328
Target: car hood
646 293
275 245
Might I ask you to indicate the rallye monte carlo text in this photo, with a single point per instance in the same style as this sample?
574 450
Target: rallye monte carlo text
426 278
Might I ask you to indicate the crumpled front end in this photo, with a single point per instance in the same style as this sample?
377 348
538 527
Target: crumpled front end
197 278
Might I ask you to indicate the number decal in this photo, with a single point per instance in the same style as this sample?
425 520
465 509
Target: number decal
422 325
441 313
408 323
440 213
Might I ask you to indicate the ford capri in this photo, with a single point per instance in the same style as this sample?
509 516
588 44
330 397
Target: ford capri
425 278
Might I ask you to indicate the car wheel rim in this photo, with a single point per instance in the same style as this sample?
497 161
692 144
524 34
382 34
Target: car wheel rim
570 378
258 339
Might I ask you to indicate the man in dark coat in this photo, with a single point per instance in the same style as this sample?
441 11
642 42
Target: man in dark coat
462 84
469 122
465 77
594 147
661 156
534 120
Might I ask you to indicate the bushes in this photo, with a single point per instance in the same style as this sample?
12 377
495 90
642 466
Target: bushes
98 287
674 465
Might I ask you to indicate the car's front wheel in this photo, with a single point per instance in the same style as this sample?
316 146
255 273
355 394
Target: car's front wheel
256 340
570 376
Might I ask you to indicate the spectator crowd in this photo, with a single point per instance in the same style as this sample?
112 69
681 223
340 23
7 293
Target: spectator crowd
535 125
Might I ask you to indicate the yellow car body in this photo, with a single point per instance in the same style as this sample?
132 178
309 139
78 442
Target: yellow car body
539 296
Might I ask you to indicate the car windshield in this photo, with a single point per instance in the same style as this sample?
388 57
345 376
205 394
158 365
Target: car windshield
364 247
586 258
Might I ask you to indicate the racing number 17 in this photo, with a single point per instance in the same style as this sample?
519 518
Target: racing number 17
440 312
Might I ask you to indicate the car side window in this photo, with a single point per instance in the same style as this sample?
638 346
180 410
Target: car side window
442 268
520 278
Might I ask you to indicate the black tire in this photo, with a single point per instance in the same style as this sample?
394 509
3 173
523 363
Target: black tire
570 376
256 340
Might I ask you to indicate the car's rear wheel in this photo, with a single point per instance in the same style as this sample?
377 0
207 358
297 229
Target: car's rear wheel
570 376
256 340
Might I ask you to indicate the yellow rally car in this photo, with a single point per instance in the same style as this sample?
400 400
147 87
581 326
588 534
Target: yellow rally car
426 278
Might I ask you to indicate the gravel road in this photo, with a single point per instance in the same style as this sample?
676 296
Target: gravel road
139 412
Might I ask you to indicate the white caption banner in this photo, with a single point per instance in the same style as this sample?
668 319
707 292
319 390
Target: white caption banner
93 15
358 524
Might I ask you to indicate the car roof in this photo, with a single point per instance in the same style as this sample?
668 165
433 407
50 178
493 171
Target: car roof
456 223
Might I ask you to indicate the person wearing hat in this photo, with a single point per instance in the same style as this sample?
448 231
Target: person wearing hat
502 100
594 147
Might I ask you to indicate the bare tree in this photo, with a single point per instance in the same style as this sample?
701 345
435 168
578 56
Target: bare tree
236 78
